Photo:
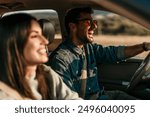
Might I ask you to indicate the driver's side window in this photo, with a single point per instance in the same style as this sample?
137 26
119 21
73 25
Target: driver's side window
114 29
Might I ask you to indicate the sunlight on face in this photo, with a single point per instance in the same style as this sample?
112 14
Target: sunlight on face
35 48
86 27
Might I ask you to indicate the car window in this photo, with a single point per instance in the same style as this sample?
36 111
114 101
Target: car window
49 14
117 30
112 29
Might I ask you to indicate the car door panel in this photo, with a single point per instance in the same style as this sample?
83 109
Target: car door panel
117 75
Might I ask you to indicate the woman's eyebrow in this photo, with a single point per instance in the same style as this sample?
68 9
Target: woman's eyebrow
35 31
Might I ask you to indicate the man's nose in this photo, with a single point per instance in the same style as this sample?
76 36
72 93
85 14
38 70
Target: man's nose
93 26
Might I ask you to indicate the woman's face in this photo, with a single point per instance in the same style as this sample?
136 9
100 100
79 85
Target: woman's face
35 48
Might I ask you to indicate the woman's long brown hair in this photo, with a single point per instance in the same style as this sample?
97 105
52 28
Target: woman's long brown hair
14 31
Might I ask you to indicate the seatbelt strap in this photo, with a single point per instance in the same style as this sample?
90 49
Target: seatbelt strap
83 76
11 92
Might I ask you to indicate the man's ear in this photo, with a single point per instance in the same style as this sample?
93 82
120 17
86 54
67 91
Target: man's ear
72 27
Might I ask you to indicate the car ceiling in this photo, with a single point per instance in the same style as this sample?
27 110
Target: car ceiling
137 10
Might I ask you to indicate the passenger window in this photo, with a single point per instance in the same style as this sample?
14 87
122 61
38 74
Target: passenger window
50 15
116 30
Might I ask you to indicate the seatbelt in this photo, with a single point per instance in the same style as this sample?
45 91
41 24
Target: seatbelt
83 75
11 92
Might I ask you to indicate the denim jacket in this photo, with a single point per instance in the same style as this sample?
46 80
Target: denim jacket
67 61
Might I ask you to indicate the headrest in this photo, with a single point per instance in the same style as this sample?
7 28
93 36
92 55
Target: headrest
48 29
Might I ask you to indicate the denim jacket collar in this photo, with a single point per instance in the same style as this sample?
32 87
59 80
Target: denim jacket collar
73 47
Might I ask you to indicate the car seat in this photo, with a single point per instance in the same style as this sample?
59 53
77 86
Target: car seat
48 29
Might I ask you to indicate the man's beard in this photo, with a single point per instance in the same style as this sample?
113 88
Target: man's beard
84 40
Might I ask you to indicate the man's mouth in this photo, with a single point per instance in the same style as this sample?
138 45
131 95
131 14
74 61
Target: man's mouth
90 34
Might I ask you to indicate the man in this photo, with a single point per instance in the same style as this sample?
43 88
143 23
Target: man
76 58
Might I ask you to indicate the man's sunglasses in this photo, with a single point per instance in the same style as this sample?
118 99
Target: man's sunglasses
89 22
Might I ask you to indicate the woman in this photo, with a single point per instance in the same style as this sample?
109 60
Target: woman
23 50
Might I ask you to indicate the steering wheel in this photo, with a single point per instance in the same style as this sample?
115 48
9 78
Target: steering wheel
142 73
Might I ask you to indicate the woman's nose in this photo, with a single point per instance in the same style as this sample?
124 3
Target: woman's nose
45 40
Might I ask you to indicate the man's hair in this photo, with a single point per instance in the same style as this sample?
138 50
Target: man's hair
73 14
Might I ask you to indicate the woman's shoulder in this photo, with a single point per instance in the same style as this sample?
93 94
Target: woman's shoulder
5 96
50 71
8 93
47 68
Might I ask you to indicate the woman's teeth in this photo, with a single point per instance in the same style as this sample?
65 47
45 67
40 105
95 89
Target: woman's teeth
42 51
